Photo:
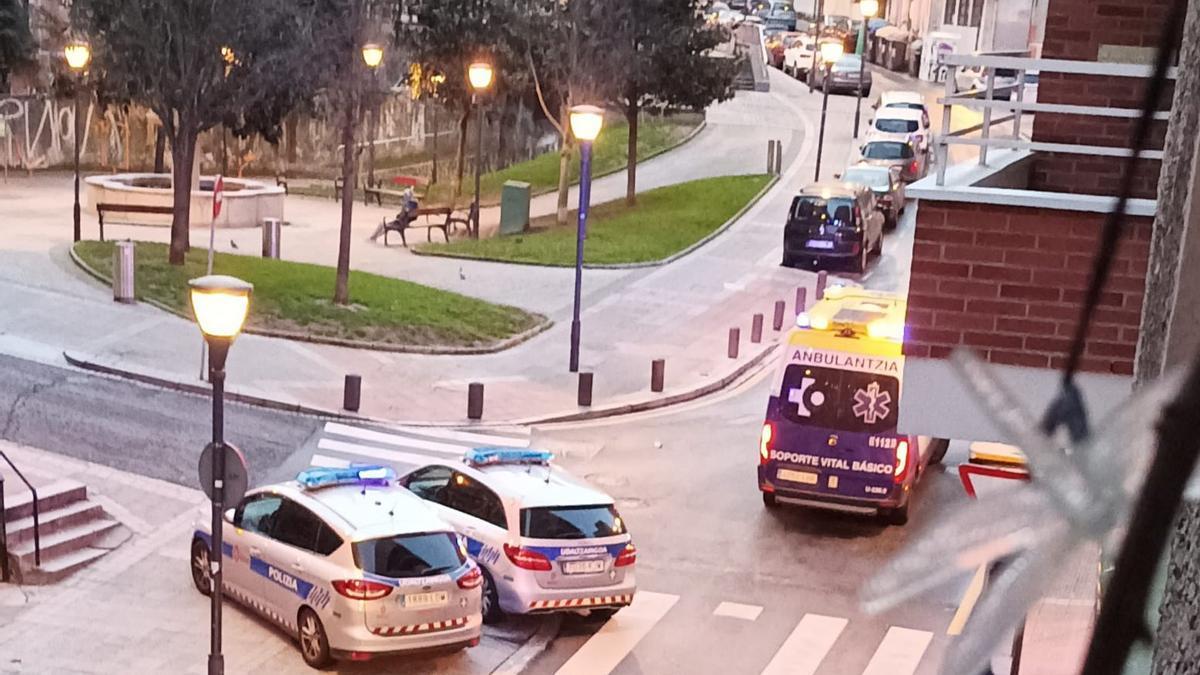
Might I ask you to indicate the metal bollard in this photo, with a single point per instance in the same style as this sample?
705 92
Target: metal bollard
475 400
735 335
778 157
777 321
584 397
822 278
270 237
801 299
352 393
770 156
658 369
123 272
756 329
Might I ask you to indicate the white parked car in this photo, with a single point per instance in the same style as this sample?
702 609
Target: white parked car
349 564
901 124
546 541
798 59
974 78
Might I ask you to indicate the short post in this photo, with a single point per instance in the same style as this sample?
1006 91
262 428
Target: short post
352 393
756 329
475 401
777 321
735 336
770 156
658 369
584 396
123 272
801 299
822 278
270 237
778 157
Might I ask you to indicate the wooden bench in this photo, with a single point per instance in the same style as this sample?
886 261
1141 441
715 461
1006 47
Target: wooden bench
400 224
379 191
102 209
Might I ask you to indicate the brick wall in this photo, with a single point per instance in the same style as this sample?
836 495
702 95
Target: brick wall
1075 29
1009 282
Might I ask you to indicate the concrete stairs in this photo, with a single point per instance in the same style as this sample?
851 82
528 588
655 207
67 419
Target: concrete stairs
73 529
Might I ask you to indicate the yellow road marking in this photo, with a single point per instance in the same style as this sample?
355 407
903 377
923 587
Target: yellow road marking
967 604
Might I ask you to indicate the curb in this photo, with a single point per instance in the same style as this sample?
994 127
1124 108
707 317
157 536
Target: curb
577 416
542 325
625 266
519 660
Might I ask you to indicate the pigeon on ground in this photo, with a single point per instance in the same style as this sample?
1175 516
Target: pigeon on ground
233 244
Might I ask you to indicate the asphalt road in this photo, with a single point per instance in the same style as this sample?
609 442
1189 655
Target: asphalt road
145 430
685 483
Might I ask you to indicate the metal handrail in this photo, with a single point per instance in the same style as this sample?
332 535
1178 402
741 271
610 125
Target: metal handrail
37 538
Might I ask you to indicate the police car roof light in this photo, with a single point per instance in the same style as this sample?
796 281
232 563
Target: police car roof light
493 456
363 474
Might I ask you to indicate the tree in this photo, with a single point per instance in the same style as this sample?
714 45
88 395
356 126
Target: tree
16 42
663 47
167 56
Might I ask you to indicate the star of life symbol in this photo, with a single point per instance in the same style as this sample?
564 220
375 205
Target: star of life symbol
871 404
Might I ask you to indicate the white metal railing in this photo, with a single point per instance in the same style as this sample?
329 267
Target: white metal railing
990 63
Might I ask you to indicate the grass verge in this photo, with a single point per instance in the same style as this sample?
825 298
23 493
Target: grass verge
665 221
296 298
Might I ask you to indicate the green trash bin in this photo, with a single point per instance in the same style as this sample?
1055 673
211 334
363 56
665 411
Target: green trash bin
514 207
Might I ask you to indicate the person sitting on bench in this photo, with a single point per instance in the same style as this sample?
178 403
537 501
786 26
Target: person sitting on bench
405 216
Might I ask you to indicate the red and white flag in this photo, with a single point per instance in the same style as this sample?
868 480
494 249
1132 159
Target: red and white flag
218 195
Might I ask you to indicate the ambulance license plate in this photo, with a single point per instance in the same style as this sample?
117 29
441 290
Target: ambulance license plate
797 476
583 567
420 600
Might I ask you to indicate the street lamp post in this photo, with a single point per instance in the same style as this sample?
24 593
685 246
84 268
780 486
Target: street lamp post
830 52
228 57
868 9
220 304
372 55
78 55
435 81
586 121
480 76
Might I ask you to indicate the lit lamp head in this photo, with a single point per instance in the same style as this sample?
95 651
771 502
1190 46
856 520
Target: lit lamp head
220 304
479 74
586 122
372 54
868 8
831 51
78 55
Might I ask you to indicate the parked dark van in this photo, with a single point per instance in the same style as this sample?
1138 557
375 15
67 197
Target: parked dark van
832 224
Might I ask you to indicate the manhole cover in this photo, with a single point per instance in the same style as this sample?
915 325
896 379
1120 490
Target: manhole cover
632 503
606 480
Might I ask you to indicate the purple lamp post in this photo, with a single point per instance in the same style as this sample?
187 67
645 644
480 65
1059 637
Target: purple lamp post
586 121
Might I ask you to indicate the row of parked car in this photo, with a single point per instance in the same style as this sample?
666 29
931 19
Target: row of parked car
842 222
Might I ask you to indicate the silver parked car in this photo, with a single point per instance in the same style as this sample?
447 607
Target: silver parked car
843 76
349 563
886 184
547 541
898 154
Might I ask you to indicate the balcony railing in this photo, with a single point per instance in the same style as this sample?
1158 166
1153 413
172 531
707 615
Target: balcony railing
1013 110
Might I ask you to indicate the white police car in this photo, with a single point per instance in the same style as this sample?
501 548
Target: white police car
349 563
547 542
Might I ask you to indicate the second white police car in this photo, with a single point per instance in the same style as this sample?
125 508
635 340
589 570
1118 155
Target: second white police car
546 541
349 564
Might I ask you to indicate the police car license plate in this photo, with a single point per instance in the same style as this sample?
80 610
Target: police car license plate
797 476
419 600
819 243
583 567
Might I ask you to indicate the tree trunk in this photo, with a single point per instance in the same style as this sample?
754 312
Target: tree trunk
461 163
372 134
631 156
1167 341
291 129
160 148
183 150
564 169
341 292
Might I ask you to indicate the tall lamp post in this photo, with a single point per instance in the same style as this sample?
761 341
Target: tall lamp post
372 55
220 304
78 55
830 52
434 82
228 58
480 76
868 9
586 121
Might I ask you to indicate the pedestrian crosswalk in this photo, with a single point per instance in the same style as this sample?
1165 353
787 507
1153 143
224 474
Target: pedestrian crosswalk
810 646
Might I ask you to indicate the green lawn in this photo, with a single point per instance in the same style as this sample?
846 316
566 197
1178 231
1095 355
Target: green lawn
295 297
665 221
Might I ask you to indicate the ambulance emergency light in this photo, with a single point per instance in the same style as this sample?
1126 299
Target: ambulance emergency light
320 477
492 456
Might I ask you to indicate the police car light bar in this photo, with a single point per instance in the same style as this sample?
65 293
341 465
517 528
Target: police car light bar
320 477
490 456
